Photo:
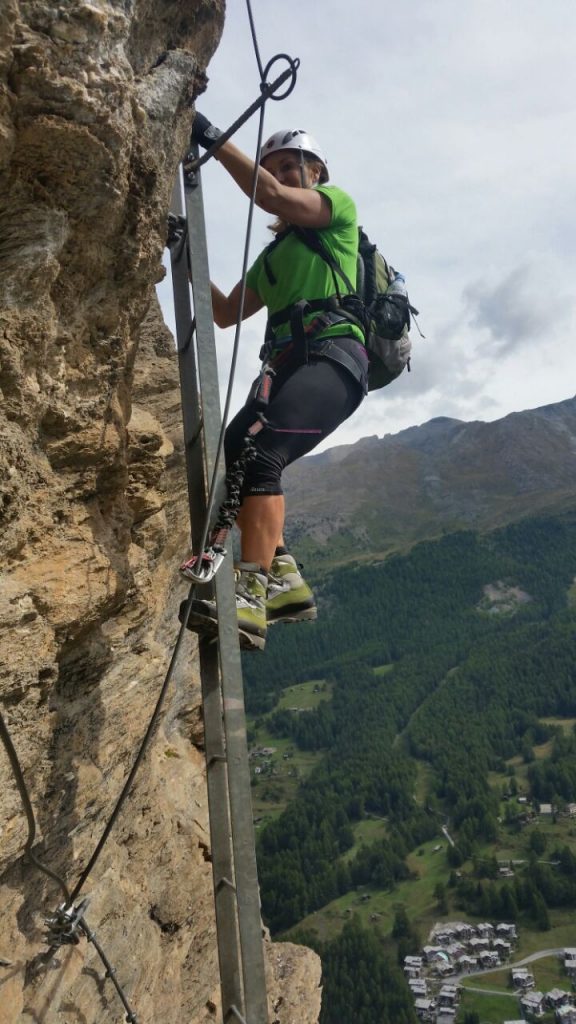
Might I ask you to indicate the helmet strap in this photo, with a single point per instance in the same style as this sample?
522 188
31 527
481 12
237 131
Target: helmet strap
302 164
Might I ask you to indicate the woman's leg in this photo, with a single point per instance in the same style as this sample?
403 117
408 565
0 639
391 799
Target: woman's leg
304 409
261 521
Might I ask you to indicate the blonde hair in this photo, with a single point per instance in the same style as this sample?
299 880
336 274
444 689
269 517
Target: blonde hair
278 226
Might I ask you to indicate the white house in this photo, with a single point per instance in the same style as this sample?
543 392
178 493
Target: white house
425 1009
448 996
533 1004
503 947
522 978
468 963
566 1014
557 997
418 987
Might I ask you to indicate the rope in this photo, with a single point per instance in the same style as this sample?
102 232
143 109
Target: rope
28 809
139 757
75 921
255 40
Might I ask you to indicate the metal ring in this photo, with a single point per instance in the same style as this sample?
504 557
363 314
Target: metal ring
294 65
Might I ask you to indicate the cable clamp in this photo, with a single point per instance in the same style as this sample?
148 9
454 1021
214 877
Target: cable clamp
62 926
204 568
176 233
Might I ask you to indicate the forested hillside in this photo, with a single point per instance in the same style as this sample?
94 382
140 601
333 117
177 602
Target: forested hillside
442 663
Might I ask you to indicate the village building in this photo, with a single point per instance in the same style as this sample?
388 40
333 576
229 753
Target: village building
447 1015
448 996
418 987
443 968
503 947
456 950
477 945
570 961
557 997
425 1009
485 930
506 931
545 809
533 1004
433 953
468 963
566 1014
522 978
489 958
412 966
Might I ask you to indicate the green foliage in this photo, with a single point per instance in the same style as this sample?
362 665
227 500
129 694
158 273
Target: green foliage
464 691
361 984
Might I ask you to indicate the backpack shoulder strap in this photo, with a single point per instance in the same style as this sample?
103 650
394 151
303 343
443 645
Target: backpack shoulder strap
314 241
270 248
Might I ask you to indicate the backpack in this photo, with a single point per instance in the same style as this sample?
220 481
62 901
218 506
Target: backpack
383 315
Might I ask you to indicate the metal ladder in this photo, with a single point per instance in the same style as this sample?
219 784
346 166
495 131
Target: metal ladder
236 893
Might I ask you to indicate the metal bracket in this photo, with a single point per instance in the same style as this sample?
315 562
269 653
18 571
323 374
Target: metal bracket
62 926
177 231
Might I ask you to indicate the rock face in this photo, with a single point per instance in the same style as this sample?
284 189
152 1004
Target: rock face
95 109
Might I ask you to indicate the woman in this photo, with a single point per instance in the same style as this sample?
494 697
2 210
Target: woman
315 357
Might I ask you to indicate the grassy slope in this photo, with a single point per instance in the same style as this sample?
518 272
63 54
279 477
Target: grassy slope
427 864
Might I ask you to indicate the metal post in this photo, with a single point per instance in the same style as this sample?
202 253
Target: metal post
229 754
216 773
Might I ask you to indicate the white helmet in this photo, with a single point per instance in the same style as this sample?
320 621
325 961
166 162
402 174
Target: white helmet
296 138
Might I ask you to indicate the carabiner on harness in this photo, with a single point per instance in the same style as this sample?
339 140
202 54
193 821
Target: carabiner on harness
203 568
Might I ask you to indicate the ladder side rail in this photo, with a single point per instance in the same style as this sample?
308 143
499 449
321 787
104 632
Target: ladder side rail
229 953
246 874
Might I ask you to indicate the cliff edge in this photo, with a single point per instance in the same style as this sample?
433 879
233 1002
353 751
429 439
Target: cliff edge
95 110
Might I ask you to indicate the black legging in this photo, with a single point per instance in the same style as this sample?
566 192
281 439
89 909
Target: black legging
306 404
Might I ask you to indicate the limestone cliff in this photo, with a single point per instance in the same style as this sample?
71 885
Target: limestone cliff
95 108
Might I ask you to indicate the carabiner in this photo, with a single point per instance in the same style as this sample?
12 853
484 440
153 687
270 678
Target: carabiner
203 569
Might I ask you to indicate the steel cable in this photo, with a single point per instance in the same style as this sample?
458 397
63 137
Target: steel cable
31 820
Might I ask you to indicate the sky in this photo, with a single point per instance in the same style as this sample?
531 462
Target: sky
453 126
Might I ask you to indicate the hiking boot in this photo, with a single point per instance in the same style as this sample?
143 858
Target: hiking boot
250 608
289 597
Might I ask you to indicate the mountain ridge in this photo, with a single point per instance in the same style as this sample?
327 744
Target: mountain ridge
384 494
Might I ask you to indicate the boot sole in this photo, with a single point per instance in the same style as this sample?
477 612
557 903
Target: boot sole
306 615
208 628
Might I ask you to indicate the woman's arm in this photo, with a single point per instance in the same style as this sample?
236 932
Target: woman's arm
303 206
225 307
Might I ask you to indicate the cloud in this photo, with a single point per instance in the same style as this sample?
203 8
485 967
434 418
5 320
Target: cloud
525 306
513 310
453 127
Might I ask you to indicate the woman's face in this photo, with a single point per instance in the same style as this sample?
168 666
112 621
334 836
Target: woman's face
285 166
